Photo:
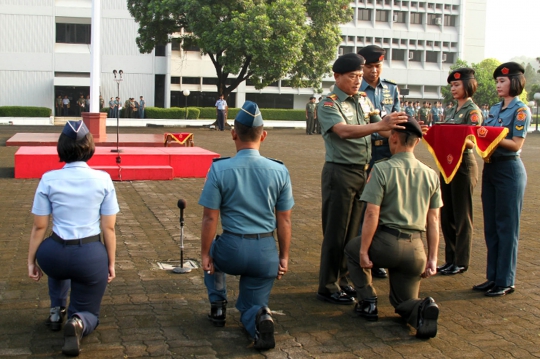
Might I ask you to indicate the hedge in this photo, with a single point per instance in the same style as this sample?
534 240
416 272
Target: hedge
24 111
171 113
267 114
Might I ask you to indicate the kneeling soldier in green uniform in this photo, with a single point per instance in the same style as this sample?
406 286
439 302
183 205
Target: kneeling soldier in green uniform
401 194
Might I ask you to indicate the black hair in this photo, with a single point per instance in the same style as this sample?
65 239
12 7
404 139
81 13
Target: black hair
70 150
470 86
248 134
517 84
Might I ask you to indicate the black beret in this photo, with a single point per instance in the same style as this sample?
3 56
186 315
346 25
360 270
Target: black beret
411 126
464 73
508 69
372 54
348 63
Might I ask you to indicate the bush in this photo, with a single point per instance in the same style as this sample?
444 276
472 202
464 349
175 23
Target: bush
267 114
24 111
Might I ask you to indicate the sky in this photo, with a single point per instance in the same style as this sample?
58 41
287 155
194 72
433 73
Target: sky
512 29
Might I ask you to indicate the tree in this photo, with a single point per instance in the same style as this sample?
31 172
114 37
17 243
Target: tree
261 40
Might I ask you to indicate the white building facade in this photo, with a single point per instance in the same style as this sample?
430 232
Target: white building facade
45 52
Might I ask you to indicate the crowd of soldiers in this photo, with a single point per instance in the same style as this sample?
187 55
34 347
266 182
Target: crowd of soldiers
63 105
132 108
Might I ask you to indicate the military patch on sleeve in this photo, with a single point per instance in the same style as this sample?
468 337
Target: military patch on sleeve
475 116
519 128
328 104
521 114
219 159
273 159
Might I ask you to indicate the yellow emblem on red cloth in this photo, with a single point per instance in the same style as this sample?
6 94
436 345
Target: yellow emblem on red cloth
482 131
449 159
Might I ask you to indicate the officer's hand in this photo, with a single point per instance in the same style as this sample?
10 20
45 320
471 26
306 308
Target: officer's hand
393 121
431 269
365 262
34 272
283 267
425 128
208 264
112 273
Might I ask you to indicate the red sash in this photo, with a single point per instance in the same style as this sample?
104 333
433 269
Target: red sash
447 143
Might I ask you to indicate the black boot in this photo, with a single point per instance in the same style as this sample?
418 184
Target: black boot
218 313
56 318
264 332
428 313
367 308
73 332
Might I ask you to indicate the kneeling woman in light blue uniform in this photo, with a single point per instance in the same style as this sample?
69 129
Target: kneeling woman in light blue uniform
503 182
83 203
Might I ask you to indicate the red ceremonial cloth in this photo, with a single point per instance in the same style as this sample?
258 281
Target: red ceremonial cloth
447 143
178 137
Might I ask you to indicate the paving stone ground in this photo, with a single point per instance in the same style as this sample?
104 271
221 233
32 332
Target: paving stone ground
148 312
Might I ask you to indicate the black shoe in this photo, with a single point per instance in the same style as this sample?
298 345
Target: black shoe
498 291
378 273
443 267
218 313
336 298
56 318
73 331
428 313
367 308
349 290
264 332
454 269
484 287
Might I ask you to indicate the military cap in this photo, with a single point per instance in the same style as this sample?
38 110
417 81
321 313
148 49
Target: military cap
75 130
372 54
464 73
411 126
348 63
508 69
249 115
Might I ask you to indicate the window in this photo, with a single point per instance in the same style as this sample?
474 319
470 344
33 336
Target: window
395 41
73 33
191 80
429 43
160 50
267 100
449 58
350 39
399 16
346 50
381 16
175 44
364 15
175 80
415 55
398 55
432 56
416 18
209 81
432 19
403 41
449 20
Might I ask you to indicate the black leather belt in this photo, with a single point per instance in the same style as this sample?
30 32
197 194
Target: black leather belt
378 143
398 233
251 236
71 242
502 159
352 166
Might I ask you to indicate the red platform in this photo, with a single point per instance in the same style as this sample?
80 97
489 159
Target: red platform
137 163
126 140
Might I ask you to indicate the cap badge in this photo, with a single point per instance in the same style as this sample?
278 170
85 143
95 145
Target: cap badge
457 75
381 57
505 71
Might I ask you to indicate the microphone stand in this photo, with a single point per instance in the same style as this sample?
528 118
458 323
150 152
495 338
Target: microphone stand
181 269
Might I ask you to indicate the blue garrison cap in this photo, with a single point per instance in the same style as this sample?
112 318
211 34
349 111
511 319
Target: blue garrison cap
249 115
76 130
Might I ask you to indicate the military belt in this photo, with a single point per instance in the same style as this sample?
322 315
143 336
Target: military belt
352 166
398 233
251 236
378 143
501 159
70 242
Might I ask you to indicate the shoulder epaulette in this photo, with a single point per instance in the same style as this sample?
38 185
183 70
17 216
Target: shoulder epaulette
362 93
390 81
219 159
332 96
273 159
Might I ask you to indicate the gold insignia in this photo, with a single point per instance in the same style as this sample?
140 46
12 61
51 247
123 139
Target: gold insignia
519 128
460 115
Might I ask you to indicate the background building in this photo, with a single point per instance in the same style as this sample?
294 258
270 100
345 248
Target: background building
45 52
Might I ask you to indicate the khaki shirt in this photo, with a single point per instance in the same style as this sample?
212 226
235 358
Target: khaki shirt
311 107
405 189
338 107
468 114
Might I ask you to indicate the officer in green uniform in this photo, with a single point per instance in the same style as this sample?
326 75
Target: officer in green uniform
423 114
384 95
59 106
402 194
457 213
347 119
81 102
311 116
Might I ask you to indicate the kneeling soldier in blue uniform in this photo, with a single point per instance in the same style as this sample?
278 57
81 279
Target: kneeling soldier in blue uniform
253 196
401 194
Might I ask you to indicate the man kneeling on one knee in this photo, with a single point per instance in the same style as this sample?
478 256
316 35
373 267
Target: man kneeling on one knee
401 194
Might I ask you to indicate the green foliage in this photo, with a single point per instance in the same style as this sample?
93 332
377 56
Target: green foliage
171 113
486 91
261 40
267 114
534 89
24 111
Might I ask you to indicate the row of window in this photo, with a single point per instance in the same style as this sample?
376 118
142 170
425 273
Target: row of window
396 41
414 4
405 16
410 55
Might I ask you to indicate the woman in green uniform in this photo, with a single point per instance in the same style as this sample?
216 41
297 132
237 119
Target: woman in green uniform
457 212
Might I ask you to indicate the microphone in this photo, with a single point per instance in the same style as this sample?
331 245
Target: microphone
182 204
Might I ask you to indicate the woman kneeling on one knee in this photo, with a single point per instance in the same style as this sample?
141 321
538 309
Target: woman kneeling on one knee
83 204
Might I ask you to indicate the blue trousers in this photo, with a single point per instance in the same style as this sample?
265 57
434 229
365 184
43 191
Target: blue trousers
84 267
503 188
221 119
256 261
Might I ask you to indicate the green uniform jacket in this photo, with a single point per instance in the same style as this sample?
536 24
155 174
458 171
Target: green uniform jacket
468 114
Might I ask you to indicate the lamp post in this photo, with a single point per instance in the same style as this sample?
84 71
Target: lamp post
186 94
118 79
537 99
